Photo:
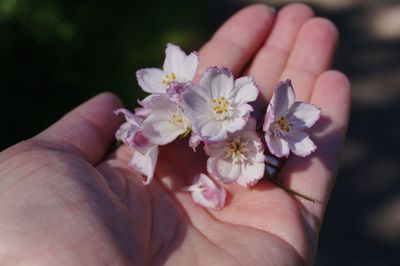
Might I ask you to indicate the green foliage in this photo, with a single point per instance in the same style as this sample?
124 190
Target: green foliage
57 53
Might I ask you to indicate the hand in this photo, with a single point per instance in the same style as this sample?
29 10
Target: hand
64 201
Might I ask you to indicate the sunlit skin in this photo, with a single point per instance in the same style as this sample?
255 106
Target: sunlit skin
65 201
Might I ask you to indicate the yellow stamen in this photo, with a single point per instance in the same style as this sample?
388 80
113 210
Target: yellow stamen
221 105
284 124
169 78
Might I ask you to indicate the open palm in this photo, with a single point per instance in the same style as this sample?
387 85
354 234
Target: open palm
65 201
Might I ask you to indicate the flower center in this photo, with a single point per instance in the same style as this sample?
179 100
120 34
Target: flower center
237 150
169 78
178 119
220 108
284 124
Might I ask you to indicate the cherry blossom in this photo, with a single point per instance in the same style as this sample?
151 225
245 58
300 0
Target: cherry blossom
239 158
164 120
286 121
219 104
178 69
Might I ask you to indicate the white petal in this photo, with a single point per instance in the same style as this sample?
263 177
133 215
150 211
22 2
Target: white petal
269 118
301 144
189 68
246 89
224 170
159 128
303 115
239 120
174 59
150 80
283 98
215 149
251 174
146 164
277 146
213 131
219 81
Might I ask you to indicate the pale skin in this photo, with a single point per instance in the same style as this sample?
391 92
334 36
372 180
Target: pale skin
64 200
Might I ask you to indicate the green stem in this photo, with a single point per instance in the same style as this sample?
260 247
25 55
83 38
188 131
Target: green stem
279 184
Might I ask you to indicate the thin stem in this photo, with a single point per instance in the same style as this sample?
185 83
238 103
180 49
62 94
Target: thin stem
279 184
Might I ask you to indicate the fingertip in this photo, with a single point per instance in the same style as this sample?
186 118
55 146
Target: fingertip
327 31
332 93
296 10
108 98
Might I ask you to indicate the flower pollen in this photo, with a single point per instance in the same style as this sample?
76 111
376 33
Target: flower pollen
169 78
178 119
284 124
220 108
237 150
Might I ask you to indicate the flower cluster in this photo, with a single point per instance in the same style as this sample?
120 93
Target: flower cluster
216 112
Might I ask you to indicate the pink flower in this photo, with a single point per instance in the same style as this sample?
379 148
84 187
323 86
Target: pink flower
286 120
178 68
206 193
239 158
219 104
145 158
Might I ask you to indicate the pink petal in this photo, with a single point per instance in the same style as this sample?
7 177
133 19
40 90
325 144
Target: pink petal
283 98
303 115
300 144
194 141
246 89
150 80
277 146
146 164
206 193
218 80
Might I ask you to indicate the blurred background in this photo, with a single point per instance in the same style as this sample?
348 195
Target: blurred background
55 54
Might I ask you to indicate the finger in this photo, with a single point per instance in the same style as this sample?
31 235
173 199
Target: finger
312 54
271 58
314 175
238 39
86 131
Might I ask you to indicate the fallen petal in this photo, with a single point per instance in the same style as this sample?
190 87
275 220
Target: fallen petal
206 193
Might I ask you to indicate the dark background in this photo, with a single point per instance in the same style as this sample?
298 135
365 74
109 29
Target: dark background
55 54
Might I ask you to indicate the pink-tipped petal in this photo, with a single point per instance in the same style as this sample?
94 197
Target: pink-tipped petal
301 145
283 98
150 80
303 115
277 146
251 174
219 81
